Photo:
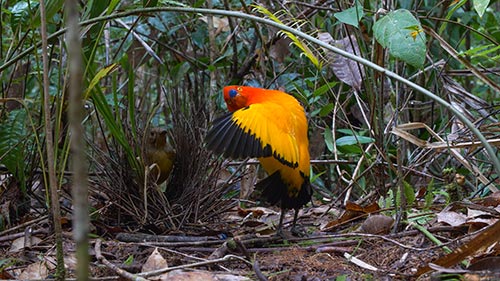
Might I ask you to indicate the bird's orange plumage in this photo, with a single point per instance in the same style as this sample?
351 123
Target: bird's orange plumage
272 126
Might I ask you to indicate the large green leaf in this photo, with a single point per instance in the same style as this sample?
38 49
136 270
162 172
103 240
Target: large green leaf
401 33
351 16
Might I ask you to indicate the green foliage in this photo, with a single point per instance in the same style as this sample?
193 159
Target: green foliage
409 193
129 261
342 277
429 195
351 16
401 33
112 122
13 142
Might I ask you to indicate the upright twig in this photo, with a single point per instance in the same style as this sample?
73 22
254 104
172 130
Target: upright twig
49 141
75 116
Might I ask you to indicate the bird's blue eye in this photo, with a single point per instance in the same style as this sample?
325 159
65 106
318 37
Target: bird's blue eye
232 93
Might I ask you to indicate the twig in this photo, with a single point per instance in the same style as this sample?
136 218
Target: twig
23 225
256 269
141 237
220 251
255 264
113 267
190 257
181 244
20 234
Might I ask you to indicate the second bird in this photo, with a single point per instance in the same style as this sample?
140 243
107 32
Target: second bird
272 126
157 153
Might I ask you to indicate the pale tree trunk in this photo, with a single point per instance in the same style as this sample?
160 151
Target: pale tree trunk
76 113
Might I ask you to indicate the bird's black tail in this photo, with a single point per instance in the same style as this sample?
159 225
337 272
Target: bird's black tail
275 190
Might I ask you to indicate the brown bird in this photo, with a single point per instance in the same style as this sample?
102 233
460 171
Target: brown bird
159 155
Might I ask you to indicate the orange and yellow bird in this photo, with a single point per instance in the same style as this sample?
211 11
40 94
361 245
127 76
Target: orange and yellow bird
272 126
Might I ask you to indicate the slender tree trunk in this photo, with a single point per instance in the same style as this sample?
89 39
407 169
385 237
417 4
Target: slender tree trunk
49 141
79 163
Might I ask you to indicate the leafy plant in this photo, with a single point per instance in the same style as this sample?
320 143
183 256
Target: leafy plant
13 143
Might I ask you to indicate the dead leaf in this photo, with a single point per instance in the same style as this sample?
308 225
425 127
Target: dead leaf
351 206
488 263
493 200
346 70
18 244
280 50
198 275
221 24
155 261
36 270
377 224
256 212
451 218
474 213
352 211
484 239
247 182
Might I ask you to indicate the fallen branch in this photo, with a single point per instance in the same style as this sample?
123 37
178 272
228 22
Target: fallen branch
141 237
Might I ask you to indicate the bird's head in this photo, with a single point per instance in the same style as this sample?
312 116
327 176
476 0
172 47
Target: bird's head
236 97
157 137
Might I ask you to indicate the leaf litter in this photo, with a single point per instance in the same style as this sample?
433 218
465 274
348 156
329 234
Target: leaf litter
230 248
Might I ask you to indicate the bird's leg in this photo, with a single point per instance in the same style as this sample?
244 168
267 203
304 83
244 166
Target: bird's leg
279 231
294 230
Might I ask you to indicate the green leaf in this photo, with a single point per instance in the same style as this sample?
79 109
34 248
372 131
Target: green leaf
348 132
129 260
451 12
350 149
401 33
19 13
325 110
324 89
429 195
101 74
351 16
480 6
342 277
51 8
351 140
409 193
328 139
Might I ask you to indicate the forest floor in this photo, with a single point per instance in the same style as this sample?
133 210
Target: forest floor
242 245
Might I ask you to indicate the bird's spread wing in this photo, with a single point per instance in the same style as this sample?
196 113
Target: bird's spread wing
258 130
